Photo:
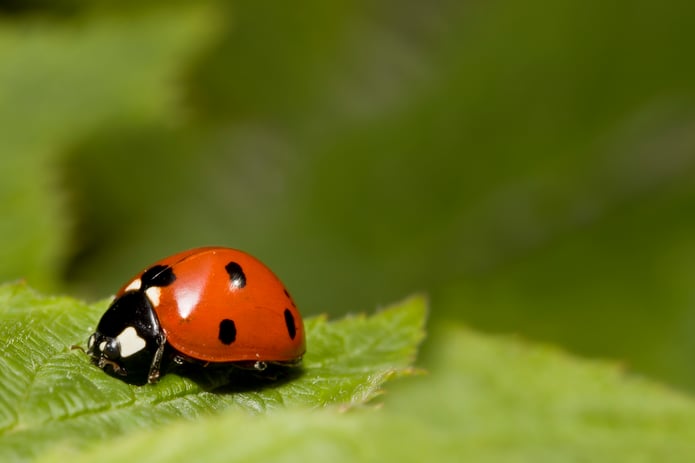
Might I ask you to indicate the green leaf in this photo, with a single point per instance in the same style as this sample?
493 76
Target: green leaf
486 400
500 399
51 395
60 82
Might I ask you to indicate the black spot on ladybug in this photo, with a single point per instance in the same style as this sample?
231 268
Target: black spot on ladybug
227 331
287 294
236 274
289 321
159 275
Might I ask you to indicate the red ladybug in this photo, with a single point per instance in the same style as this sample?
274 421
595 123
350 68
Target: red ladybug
209 305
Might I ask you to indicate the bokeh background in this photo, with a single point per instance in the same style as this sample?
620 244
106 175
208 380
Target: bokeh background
528 165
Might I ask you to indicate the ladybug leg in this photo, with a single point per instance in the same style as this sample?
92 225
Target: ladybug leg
156 364
260 366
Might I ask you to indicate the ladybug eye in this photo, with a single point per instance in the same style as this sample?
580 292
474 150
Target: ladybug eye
111 348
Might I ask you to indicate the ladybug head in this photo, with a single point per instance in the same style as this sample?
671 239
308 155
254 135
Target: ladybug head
128 341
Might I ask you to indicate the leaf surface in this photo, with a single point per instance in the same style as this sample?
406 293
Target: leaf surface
486 399
51 394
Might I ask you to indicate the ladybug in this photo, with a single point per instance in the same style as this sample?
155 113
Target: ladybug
209 305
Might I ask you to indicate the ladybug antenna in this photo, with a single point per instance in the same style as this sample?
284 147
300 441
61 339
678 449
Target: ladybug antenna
76 347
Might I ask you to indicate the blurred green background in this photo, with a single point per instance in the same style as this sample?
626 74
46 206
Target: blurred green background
529 165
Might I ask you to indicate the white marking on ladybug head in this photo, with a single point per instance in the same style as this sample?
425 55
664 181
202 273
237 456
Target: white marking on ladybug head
102 346
153 294
92 340
130 342
134 285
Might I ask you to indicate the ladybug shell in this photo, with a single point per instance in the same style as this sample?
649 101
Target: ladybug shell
223 305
